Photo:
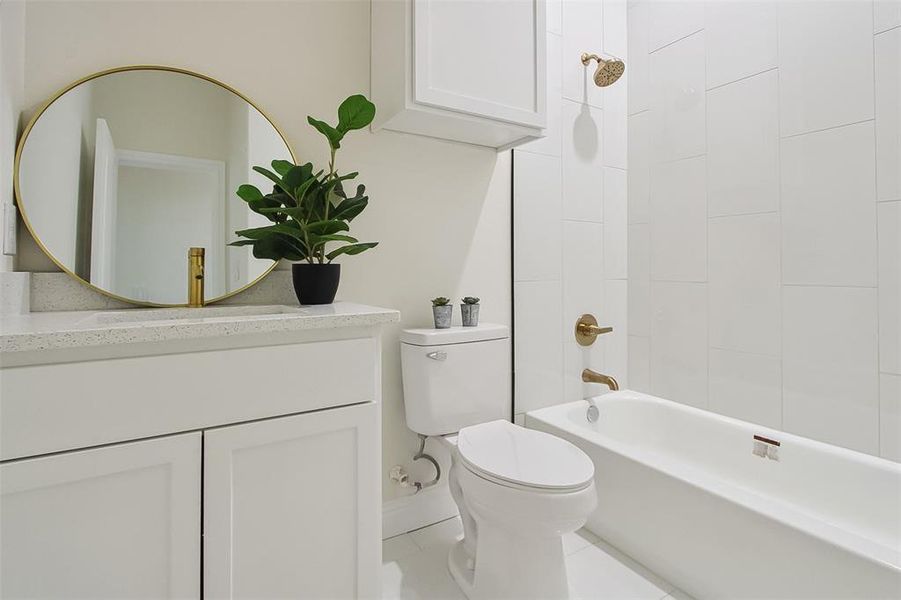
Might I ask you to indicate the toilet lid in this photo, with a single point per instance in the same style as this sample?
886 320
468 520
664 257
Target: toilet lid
524 457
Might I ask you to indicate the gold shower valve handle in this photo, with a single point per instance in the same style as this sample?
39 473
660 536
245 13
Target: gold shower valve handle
587 330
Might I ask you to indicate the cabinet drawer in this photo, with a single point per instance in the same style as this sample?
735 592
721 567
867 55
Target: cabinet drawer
48 408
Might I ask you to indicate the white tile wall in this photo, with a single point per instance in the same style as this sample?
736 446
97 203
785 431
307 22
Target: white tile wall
678 99
679 220
746 386
890 416
830 380
829 207
679 341
888 114
583 31
825 64
583 172
537 249
639 167
743 146
615 224
789 309
741 39
538 347
745 287
890 287
670 20
572 259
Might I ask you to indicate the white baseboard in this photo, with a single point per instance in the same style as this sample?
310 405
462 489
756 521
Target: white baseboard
418 510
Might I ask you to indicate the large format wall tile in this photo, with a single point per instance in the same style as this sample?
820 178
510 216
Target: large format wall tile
890 287
614 314
679 342
678 100
743 146
679 221
537 211
890 416
583 292
741 39
583 173
745 285
825 64
888 114
746 386
639 363
638 60
886 14
639 167
582 32
671 20
830 379
615 224
829 208
639 280
537 344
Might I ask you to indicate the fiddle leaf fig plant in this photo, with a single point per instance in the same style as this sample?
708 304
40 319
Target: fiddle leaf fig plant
310 210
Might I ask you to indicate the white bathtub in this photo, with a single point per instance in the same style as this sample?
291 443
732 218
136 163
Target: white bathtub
680 490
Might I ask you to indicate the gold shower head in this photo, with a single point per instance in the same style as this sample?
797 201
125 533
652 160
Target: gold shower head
609 70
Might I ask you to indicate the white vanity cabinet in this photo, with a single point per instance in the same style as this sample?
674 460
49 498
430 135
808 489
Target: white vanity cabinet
290 506
241 465
121 521
467 71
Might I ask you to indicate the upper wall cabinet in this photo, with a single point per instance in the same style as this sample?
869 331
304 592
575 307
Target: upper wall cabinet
461 70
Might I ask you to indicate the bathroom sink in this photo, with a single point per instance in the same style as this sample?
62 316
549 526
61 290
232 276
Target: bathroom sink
136 316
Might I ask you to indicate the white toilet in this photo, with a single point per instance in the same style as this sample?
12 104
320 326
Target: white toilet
518 490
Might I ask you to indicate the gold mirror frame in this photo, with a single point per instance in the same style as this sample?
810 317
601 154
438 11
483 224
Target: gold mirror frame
56 96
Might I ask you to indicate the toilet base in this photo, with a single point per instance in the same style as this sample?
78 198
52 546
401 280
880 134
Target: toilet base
461 568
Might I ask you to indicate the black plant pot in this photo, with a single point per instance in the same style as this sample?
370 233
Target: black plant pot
316 284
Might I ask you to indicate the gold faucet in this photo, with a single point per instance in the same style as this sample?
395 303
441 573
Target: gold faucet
195 277
589 376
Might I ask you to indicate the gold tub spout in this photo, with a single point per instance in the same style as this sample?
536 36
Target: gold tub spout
589 376
195 277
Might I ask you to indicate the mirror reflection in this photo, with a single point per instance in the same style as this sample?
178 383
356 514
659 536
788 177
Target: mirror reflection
123 173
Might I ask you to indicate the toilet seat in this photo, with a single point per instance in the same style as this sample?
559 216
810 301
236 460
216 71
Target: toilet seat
513 456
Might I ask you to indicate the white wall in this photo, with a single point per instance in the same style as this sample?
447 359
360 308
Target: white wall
762 163
12 82
441 210
570 214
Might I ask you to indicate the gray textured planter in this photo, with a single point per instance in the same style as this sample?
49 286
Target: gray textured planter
443 316
470 313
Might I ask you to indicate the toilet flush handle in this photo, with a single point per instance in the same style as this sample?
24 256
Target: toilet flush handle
437 355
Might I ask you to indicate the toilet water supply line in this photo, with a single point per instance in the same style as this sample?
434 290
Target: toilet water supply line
400 477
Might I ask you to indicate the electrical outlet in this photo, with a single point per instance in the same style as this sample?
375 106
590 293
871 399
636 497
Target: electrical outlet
9 229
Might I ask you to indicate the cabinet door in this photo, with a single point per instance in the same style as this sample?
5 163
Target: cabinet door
481 58
292 507
120 521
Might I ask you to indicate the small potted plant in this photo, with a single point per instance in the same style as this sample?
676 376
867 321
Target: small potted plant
309 210
470 311
442 310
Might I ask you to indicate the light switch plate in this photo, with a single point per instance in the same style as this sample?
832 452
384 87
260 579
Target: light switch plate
9 229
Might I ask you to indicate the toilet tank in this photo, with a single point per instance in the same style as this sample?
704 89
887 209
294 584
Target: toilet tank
455 377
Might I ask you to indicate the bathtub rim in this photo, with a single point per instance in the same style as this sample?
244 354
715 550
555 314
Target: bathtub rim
770 507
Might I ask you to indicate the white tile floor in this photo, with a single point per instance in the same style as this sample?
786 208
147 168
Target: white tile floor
414 567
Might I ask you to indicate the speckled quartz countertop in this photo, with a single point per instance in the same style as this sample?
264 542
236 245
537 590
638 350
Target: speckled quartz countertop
84 329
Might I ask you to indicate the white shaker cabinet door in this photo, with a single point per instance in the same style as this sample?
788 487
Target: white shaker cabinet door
121 521
292 507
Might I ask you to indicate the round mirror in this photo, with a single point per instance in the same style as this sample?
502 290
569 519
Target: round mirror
122 172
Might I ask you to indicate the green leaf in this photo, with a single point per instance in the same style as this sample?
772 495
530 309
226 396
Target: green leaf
326 227
333 135
356 112
350 250
335 238
272 177
282 166
249 193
